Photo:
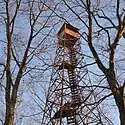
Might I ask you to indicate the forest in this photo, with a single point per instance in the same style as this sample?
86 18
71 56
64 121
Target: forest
62 62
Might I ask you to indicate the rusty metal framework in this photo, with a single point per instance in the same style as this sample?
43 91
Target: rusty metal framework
65 97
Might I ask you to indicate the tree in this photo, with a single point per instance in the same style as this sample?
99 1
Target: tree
102 27
22 46
26 36
103 23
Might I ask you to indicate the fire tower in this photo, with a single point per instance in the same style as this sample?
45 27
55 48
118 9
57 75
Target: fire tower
64 99
68 36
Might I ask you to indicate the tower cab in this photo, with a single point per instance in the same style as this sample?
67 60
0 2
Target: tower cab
67 35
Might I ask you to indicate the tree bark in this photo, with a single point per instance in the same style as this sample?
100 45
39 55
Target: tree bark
118 93
9 119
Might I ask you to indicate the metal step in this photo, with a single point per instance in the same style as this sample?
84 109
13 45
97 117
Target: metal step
72 120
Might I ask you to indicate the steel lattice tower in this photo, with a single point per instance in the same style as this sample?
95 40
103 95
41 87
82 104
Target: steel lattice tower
64 97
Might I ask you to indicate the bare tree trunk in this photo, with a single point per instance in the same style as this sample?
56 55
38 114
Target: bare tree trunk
9 119
120 102
118 93
122 115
